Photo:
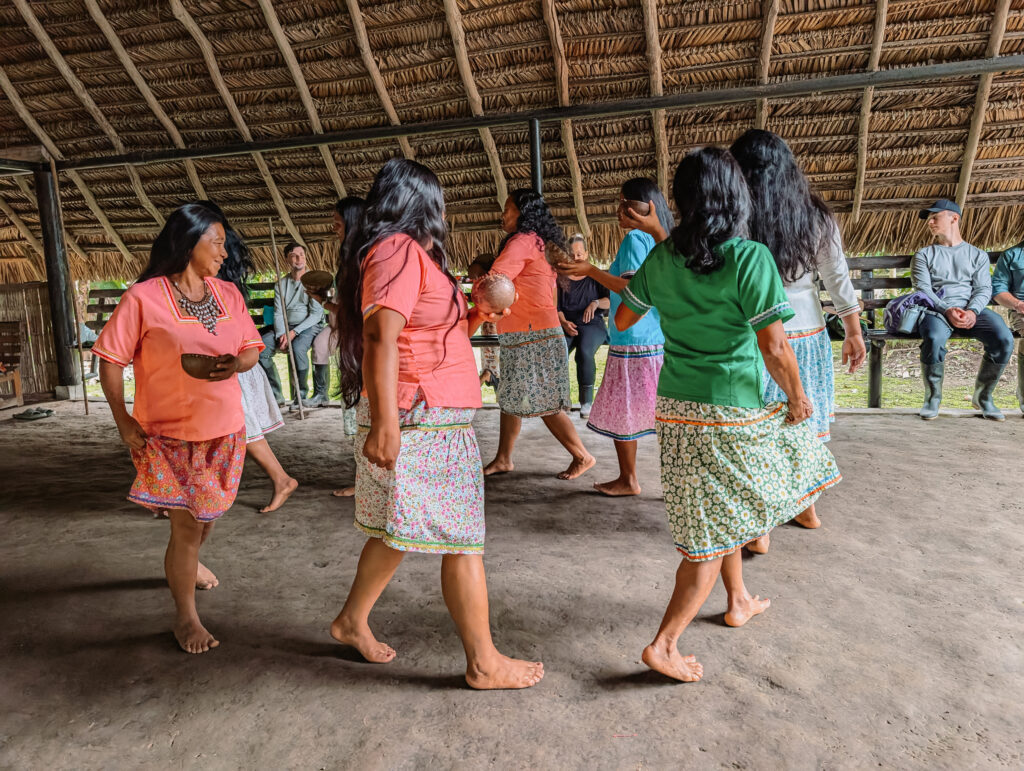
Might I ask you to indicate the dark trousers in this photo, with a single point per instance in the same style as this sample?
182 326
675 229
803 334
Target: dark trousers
588 339
989 329
301 345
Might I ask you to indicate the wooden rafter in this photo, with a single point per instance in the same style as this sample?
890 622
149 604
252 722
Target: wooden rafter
769 13
864 127
995 42
22 228
209 57
366 53
78 88
140 83
454 16
69 240
650 9
44 139
285 47
562 86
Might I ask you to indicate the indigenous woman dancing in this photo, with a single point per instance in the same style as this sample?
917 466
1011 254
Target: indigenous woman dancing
624 408
262 415
801 232
404 332
534 360
732 467
187 437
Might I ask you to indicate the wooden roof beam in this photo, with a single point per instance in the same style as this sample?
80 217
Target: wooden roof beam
210 58
22 183
285 47
366 53
476 106
995 42
76 85
44 139
22 228
661 149
877 38
769 14
562 86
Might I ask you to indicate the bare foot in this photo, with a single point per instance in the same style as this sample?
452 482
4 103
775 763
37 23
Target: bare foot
344 492
205 579
808 518
363 641
578 467
760 545
280 496
504 673
618 487
741 611
193 637
497 466
671 664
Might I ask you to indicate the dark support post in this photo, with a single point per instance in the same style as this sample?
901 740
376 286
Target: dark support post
58 278
876 355
536 170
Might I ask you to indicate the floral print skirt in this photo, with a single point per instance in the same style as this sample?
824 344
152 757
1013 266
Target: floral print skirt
433 500
200 477
534 373
624 407
813 350
731 474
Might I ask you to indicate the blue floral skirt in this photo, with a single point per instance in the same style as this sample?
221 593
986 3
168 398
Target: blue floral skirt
813 350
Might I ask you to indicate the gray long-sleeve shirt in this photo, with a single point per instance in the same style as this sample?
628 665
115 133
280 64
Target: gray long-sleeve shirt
303 311
962 270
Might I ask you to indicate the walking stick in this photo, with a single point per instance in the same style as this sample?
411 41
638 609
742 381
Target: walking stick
81 354
288 333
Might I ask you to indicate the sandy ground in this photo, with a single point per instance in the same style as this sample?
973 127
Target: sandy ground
894 638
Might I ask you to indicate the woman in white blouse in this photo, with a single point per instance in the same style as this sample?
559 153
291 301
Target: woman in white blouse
801 232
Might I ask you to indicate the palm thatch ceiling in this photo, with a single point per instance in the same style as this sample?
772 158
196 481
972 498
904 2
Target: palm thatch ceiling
88 78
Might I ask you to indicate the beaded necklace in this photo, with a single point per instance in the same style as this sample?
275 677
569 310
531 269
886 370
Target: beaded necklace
205 309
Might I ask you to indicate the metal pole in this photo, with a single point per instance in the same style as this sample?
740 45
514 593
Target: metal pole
58 279
296 385
536 168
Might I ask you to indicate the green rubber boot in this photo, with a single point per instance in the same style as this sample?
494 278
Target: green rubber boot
932 374
1020 378
985 386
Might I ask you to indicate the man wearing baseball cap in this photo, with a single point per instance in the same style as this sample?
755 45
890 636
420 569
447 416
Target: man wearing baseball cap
961 271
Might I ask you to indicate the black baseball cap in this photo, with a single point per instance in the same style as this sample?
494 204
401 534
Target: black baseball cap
943 204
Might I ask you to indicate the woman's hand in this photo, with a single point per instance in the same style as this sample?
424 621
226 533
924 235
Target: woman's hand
226 366
382 444
854 351
574 269
799 410
132 433
589 311
568 327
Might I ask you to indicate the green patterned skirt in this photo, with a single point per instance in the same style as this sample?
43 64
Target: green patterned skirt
731 474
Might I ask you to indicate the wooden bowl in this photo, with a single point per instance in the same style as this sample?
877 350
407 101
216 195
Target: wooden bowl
640 207
317 281
198 365
493 293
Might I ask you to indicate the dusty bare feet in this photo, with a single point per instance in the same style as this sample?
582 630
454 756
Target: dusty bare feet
808 518
498 466
671 664
760 545
618 487
363 641
344 492
205 579
742 610
577 467
193 637
280 495
504 673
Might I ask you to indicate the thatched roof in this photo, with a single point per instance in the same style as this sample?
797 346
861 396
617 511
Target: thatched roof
370 63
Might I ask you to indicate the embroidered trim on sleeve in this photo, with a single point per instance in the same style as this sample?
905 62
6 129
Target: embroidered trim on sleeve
104 354
775 310
634 300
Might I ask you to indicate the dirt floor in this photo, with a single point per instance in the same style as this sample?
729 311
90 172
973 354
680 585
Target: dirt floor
894 639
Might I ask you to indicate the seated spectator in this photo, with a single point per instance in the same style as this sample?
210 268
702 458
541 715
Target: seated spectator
962 272
305 318
582 308
1008 291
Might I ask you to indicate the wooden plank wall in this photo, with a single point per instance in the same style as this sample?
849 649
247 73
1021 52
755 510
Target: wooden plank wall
30 303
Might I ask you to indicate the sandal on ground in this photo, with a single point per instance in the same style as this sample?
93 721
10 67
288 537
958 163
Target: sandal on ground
34 413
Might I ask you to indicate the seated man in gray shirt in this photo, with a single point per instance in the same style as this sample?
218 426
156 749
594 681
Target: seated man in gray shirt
1008 291
962 272
305 317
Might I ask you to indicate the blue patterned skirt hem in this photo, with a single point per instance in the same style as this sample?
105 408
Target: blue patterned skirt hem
813 350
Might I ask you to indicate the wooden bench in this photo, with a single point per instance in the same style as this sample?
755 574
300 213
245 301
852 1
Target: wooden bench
10 356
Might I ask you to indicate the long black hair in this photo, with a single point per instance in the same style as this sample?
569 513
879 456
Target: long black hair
713 202
644 189
406 197
534 217
238 266
350 209
173 246
786 215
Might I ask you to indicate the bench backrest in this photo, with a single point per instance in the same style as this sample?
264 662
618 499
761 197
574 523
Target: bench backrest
10 343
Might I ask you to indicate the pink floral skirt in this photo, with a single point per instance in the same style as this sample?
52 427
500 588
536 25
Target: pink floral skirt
199 477
624 407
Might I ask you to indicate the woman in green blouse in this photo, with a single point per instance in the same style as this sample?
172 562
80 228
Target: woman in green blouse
732 467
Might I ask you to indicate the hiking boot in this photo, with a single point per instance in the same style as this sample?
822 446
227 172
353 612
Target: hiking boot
1020 378
932 374
988 376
